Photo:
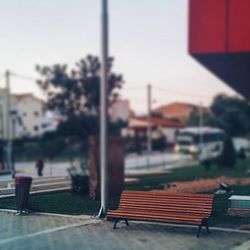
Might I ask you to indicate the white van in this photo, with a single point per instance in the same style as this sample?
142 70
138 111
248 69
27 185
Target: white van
205 143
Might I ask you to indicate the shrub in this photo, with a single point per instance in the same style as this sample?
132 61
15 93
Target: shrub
79 178
228 156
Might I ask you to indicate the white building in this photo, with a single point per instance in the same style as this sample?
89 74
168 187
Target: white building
30 110
26 115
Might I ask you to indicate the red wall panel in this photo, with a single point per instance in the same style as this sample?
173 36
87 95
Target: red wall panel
207 26
239 25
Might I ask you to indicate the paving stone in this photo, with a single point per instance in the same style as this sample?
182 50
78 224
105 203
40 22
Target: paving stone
52 232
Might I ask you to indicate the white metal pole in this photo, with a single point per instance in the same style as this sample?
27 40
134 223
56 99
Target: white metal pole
103 109
149 132
200 126
8 130
149 120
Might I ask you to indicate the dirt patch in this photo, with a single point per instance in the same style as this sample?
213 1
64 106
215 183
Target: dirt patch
204 185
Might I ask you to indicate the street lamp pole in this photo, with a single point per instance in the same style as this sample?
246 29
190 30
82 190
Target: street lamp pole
103 109
149 142
8 131
149 129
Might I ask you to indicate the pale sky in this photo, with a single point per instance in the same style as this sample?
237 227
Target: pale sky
148 39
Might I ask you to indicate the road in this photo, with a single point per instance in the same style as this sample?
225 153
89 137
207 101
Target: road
132 162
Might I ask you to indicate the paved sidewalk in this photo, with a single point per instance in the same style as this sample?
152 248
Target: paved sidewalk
54 232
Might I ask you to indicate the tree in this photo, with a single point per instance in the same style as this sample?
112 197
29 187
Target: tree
231 114
160 143
228 156
194 119
75 93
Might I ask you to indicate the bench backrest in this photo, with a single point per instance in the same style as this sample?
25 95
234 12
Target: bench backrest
165 202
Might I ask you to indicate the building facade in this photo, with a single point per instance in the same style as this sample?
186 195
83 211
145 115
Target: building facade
219 39
30 109
26 116
162 129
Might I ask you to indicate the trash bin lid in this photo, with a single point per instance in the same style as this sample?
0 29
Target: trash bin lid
22 179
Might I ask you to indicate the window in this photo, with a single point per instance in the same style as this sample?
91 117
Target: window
24 114
36 128
36 113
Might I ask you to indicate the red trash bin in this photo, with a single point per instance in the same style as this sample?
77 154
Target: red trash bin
22 189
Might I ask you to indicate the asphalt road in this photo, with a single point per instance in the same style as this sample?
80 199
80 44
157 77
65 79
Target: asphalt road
132 162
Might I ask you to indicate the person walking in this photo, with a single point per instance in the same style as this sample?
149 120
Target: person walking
40 166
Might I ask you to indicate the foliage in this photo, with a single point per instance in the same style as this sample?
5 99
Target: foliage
159 144
79 125
116 127
242 154
79 177
51 149
75 94
59 203
194 119
231 114
206 164
228 156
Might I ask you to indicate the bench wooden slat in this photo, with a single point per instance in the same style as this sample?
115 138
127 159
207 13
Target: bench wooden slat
164 194
167 210
161 198
147 213
166 198
171 202
152 217
166 201
164 204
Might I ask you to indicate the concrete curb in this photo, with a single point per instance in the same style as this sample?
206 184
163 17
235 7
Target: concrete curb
221 229
38 192
85 217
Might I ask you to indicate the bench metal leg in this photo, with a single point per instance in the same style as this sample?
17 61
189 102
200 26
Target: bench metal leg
206 225
116 221
126 222
199 230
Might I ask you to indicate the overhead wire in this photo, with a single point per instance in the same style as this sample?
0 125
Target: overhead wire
175 92
182 93
134 88
31 78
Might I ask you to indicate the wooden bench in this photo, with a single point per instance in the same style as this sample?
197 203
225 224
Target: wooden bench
161 206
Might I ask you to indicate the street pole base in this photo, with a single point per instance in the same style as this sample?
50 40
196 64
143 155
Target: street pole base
21 212
101 213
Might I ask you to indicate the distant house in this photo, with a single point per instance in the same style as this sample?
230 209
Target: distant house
160 127
177 110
